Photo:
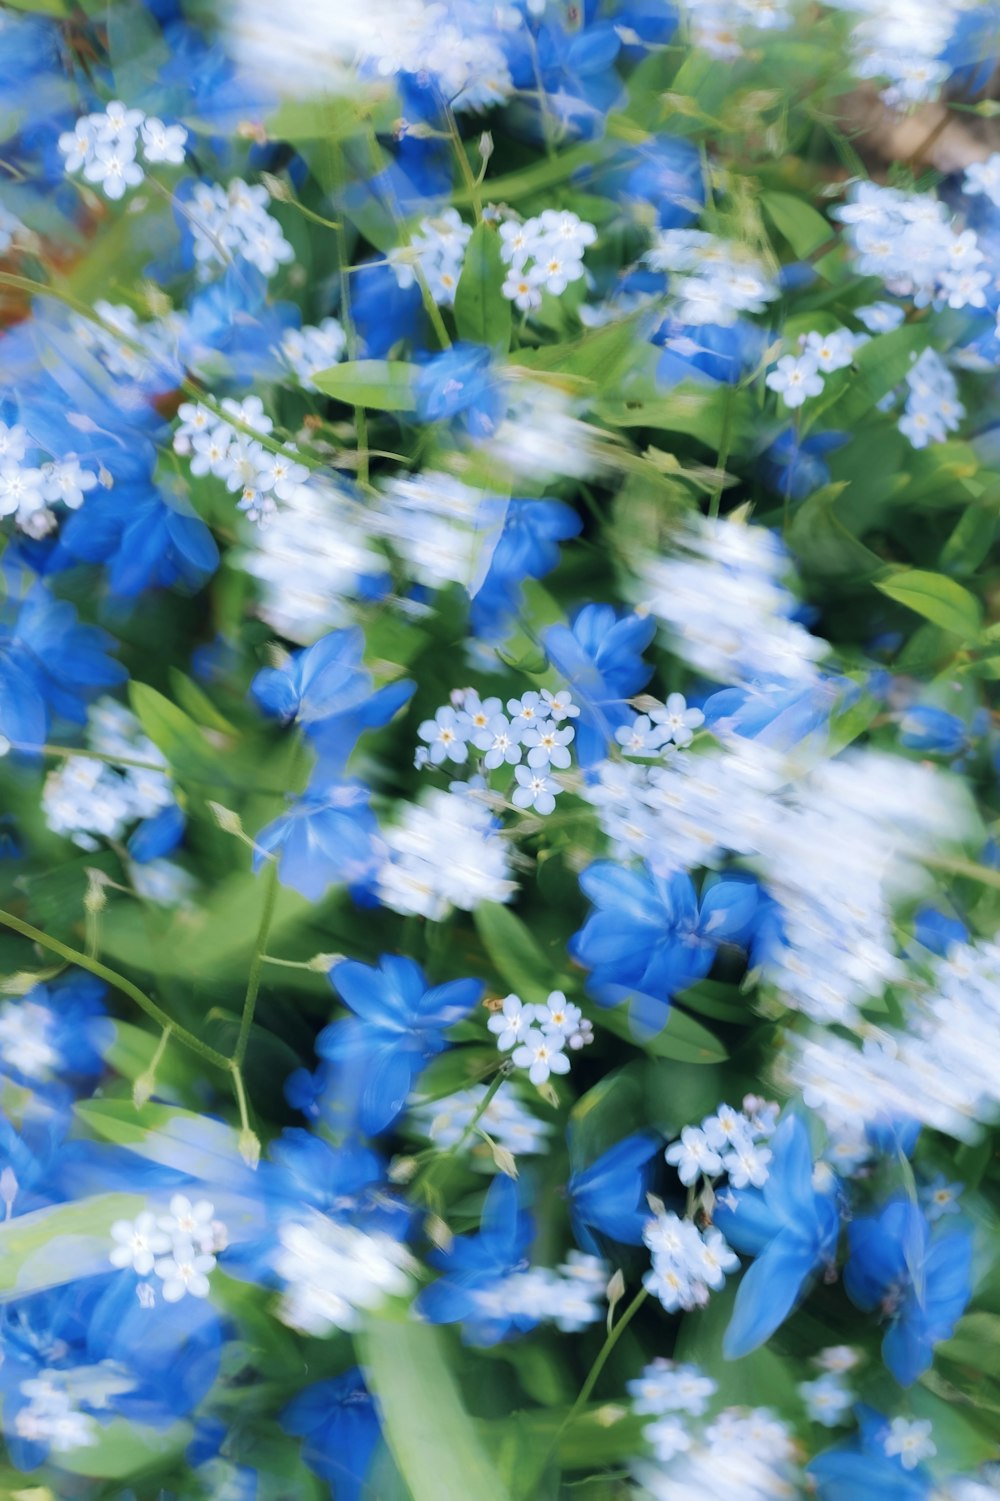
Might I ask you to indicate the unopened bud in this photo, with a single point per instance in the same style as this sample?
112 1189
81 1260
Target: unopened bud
438 1232
249 1147
8 1187
485 146
616 1288
402 1169
549 1095
96 898
228 821
324 962
277 189
105 477
143 1088
609 1414
504 1160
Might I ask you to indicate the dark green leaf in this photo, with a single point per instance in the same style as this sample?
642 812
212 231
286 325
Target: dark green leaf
519 961
803 227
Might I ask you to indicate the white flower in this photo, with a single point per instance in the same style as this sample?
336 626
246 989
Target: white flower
137 1243
512 1022
678 721
190 1223
831 351
162 143
827 1400
693 1155
747 1164
114 166
911 1441
541 1054
559 1017
795 379
548 744
185 1271
334 1271
534 790
67 482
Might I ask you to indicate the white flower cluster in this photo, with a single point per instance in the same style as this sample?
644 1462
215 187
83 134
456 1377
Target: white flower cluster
726 606
505 1120
25 1028
434 255
902 41
912 243
936 1068
543 254
796 377
933 409
313 347
105 145
153 363
536 1036
712 280
828 1398
727 1142
445 852
332 1272
743 1454
50 1416
541 438
716 25
661 729
688 1263
309 560
571 1296
29 490
532 725
216 447
179 1248
444 531
89 799
232 222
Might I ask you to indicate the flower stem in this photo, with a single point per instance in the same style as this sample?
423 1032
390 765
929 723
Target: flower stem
257 962
118 982
602 1359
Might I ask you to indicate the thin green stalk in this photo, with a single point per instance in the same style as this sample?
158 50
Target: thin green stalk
470 183
952 865
257 962
602 1359
350 333
432 309
119 982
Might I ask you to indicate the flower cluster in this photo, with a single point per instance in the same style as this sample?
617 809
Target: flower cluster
434 256
543 254
537 1036
178 1248
104 146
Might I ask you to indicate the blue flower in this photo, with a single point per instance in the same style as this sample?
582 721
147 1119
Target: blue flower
324 681
790 1226
326 836
937 931
158 836
795 466
59 1030
398 1025
707 351
599 655
933 731
526 548
778 714
339 1425
610 1195
861 1470
479 1263
460 383
649 938
920 1279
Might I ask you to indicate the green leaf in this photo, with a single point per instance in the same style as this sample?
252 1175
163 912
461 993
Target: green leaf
41 7
197 703
126 1448
50 1247
597 356
383 385
482 312
937 598
432 1437
683 1039
803 227
879 365
971 540
519 961
174 733
824 544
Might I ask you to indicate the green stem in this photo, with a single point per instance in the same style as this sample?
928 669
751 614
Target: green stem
954 866
241 1094
725 443
350 333
119 982
427 1173
602 1357
257 962
464 165
432 309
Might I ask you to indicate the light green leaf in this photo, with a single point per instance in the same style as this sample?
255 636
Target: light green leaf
125 1448
383 385
482 312
174 733
432 1438
49 1247
880 364
597 356
803 227
937 598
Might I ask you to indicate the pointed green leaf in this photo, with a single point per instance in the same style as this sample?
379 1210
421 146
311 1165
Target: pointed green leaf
383 385
519 961
482 312
430 1434
937 598
803 227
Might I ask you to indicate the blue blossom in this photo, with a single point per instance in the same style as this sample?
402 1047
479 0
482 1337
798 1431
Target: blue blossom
328 835
478 1264
609 1196
398 1025
920 1279
923 727
600 656
460 383
649 937
795 466
790 1226
862 1470
527 547
338 1423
